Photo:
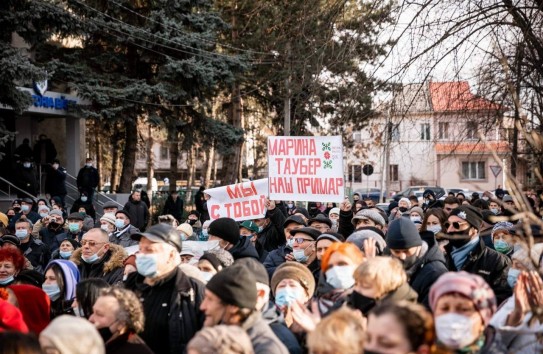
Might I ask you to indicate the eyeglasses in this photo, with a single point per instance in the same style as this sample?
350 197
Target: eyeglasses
455 224
91 243
300 240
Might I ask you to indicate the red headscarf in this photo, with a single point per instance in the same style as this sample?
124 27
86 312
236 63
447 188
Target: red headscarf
11 318
35 306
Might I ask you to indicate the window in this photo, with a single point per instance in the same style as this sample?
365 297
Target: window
357 137
355 173
443 132
394 131
164 153
425 131
474 170
471 130
393 173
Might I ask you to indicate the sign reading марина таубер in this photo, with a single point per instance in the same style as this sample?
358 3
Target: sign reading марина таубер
308 168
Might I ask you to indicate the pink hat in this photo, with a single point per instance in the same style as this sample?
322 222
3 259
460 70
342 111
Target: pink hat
469 285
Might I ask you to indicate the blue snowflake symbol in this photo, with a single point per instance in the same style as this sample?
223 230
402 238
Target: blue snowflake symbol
326 146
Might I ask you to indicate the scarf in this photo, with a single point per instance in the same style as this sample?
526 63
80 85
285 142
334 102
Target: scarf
460 255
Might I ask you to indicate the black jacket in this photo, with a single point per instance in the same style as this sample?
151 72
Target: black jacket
273 235
345 226
174 208
185 317
55 183
275 320
26 180
275 258
244 249
37 253
89 207
87 178
487 263
49 236
139 214
110 268
423 274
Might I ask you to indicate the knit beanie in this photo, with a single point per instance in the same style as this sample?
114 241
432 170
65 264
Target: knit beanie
70 274
470 214
403 234
255 267
234 285
295 271
74 335
34 305
417 210
469 285
211 258
502 225
226 229
406 200
529 257
359 236
371 214
333 211
109 217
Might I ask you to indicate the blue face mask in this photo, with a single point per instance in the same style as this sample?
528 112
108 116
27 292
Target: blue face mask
90 259
434 228
205 233
25 208
286 296
299 255
119 223
512 277
84 199
7 280
21 234
73 227
147 265
65 254
502 246
52 290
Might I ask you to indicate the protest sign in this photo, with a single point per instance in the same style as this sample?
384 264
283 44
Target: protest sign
241 201
306 168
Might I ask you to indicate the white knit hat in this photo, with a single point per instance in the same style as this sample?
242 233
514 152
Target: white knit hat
74 335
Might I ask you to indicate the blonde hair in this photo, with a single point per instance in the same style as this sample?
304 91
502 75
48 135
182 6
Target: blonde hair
130 308
340 332
386 274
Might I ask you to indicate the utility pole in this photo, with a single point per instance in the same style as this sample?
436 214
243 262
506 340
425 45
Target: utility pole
287 96
385 179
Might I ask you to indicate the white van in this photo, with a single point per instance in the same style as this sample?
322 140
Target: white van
143 182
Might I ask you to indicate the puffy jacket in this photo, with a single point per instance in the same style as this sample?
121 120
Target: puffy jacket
423 274
273 235
185 317
110 268
122 237
244 249
487 263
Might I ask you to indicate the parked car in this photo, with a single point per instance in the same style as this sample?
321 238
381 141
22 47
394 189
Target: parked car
373 193
413 190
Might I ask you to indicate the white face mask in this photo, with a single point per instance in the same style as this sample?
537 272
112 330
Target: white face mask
340 277
434 228
455 331
416 218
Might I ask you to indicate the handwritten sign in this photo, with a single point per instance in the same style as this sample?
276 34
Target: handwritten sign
241 201
306 168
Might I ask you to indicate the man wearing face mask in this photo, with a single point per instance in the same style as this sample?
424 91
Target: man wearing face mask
171 299
138 210
97 258
226 231
26 211
75 231
84 201
430 200
123 230
420 256
467 251
33 249
284 253
87 179
26 179
55 182
270 227
250 230
304 249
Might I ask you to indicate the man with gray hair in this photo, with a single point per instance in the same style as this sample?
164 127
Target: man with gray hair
98 258
171 299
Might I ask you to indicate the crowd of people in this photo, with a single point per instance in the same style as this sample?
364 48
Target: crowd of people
459 275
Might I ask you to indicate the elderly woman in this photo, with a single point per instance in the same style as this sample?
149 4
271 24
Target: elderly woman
71 335
502 238
462 304
67 247
373 286
118 316
514 318
12 262
61 278
336 281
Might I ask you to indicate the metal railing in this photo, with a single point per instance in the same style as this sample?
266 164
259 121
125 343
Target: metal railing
11 185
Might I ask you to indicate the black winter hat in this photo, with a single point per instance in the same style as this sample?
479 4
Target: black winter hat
124 212
313 233
225 229
73 242
75 216
470 214
255 267
403 234
297 219
235 285
213 259
320 218
302 211
163 233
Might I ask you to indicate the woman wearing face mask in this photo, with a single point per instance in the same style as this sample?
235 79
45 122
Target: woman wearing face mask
337 278
12 262
291 282
462 304
118 316
67 247
86 292
502 238
515 319
416 215
213 262
107 223
399 327
373 286
433 221
61 278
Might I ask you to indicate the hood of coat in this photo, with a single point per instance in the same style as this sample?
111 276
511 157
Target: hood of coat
117 255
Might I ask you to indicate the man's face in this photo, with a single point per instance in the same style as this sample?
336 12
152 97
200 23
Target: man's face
289 228
104 312
455 224
450 207
56 218
110 210
322 246
186 258
136 196
93 242
164 254
302 241
363 221
403 204
213 309
509 204
23 226
76 221
402 254
370 203
123 217
322 227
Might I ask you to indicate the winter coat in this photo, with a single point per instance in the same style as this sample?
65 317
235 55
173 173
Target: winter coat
275 320
427 269
87 178
275 258
37 253
55 182
139 214
185 316
127 343
262 337
244 249
49 236
27 181
57 240
345 226
110 267
44 147
174 208
273 235
122 237
32 216
487 263
89 207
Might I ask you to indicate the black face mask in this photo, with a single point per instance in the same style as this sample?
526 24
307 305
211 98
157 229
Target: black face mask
361 303
402 209
192 222
105 333
16 209
461 238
